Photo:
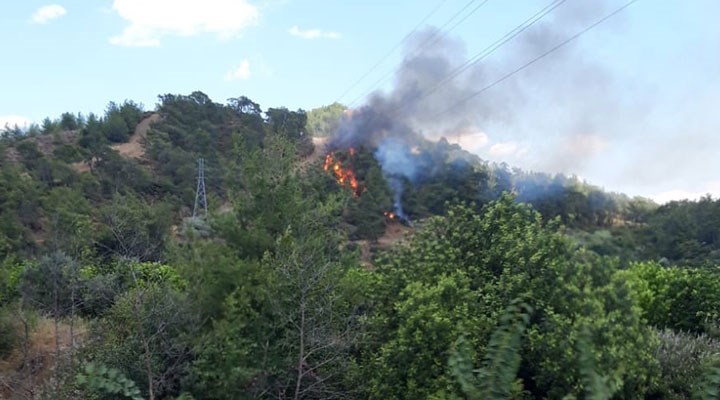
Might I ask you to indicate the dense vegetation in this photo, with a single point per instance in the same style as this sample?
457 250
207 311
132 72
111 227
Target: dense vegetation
512 284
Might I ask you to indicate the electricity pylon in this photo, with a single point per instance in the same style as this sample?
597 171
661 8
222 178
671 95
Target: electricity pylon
200 195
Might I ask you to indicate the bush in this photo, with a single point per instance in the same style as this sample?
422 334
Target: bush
9 337
459 273
677 298
103 380
683 358
116 129
68 153
150 323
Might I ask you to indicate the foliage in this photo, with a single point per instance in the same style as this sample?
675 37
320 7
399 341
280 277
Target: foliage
597 386
709 388
120 121
464 269
232 357
10 276
687 232
496 379
288 345
685 360
268 196
133 228
104 380
146 336
51 284
683 299
324 121
366 213
9 337
268 299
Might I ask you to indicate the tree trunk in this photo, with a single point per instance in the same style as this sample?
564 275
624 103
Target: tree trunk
56 317
301 353
148 368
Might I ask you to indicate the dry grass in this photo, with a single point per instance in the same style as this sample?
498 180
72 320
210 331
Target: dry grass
24 371
395 234
319 150
80 167
45 143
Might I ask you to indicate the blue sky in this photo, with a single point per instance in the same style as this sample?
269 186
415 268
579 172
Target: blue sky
650 129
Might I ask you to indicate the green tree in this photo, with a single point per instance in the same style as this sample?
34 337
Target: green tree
69 122
367 212
116 129
324 121
49 126
147 333
133 228
681 299
458 275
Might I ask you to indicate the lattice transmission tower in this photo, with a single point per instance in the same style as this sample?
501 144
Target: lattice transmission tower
200 195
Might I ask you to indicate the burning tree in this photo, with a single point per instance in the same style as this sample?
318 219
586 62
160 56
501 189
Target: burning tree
340 164
357 170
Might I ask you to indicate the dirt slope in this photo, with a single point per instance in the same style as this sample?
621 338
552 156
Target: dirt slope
134 147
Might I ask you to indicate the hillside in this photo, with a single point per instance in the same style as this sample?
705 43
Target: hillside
327 269
150 157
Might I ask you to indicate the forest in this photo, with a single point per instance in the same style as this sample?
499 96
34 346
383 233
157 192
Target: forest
316 274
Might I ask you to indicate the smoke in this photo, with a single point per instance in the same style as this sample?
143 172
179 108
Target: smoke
397 162
424 106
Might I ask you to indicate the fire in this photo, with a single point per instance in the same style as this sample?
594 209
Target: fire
389 214
344 175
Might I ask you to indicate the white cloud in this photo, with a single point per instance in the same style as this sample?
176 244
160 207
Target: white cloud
313 33
150 20
47 13
11 120
241 72
469 138
505 149
712 188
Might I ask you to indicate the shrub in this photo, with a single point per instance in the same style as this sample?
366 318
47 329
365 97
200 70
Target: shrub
9 337
677 298
684 358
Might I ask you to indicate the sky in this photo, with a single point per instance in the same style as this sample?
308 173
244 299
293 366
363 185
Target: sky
631 106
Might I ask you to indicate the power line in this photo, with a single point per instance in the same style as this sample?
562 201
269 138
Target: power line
420 47
445 33
541 56
434 38
488 50
392 50
474 60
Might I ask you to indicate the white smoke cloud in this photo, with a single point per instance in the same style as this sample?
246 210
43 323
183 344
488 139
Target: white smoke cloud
508 149
11 121
469 137
150 20
241 72
48 13
585 145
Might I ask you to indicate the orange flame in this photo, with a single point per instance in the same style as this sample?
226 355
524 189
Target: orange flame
389 214
343 175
